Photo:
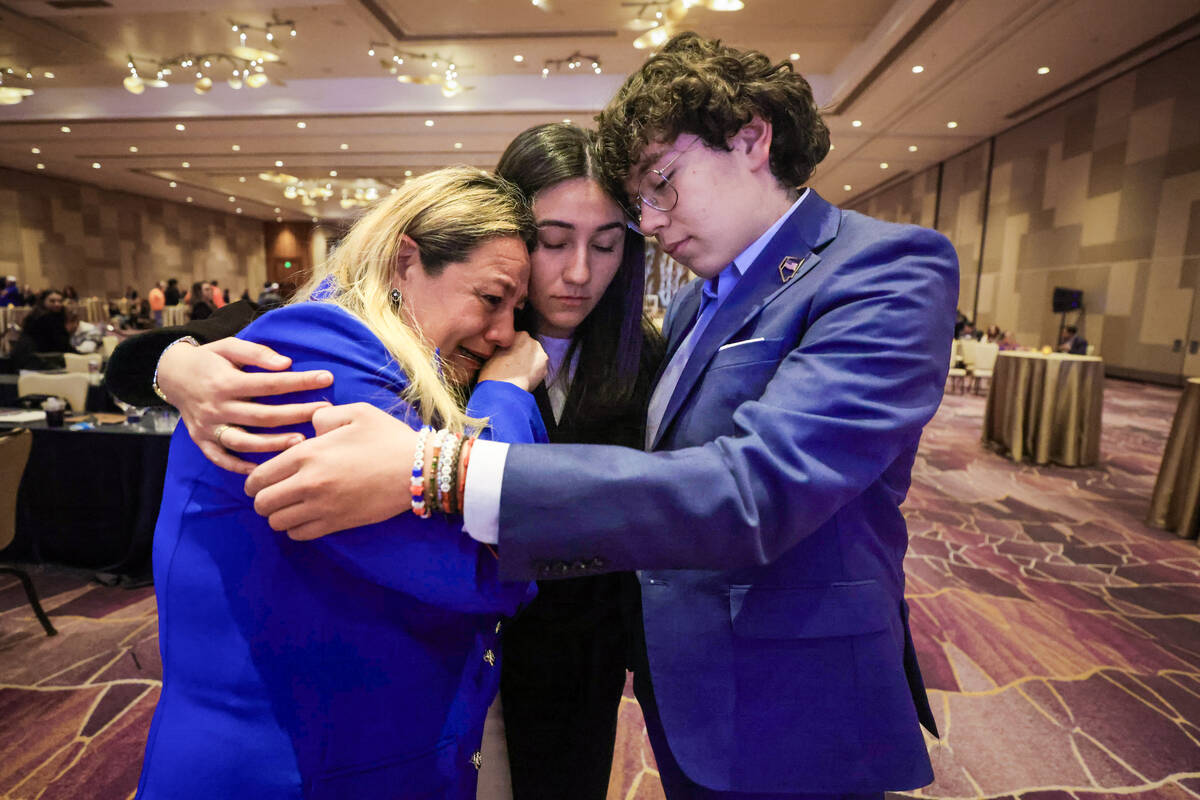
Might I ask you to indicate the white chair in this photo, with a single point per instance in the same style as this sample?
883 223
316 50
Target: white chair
967 348
14 455
1091 349
108 344
985 362
957 375
72 387
78 362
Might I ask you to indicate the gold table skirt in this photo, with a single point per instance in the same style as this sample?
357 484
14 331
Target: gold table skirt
1046 408
1175 504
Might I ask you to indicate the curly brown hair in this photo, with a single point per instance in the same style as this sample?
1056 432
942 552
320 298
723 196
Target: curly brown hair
699 86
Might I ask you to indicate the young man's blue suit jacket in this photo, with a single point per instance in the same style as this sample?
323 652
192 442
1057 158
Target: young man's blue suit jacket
767 526
361 665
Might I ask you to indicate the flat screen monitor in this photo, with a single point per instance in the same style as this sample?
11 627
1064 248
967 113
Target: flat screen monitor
1067 300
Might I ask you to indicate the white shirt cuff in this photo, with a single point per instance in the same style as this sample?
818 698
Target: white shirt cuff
481 501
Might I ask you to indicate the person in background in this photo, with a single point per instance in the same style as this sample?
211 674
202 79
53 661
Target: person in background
202 307
993 335
10 295
158 301
69 293
1071 342
45 330
131 294
269 297
217 294
171 294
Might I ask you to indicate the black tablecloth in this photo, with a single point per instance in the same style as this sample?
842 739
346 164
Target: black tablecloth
90 498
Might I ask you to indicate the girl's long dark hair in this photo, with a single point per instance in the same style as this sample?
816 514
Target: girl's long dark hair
612 341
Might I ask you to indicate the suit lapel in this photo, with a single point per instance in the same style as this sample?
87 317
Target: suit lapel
808 230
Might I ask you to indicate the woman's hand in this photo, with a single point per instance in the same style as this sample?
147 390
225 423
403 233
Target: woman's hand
355 471
523 364
208 387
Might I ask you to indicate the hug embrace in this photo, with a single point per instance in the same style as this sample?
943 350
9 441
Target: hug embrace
750 468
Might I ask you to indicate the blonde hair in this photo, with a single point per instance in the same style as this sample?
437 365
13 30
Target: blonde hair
448 213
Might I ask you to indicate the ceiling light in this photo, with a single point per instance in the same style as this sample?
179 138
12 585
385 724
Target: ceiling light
857 123
189 199
11 95
276 210
883 165
65 129
241 179
95 165
186 164
832 147
371 51
41 166
518 58
35 150
1043 70
428 123
847 187
912 148
794 56
279 219
918 69
655 37
49 75
301 125
257 80
202 85
279 163
232 198
133 148
235 147
133 84
315 219
952 124
238 210
333 173
458 145
172 184
725 5
566 121
408 173
344 146
179 126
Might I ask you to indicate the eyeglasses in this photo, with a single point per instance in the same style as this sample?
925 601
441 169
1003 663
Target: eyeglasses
656 191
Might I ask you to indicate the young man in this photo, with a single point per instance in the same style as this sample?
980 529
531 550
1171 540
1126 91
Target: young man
802 369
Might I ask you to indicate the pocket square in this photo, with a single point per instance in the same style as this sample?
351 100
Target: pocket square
732 345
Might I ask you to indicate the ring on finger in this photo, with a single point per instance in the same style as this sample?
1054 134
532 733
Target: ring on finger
220 431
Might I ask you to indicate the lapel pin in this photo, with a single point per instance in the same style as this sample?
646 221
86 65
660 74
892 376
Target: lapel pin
789 266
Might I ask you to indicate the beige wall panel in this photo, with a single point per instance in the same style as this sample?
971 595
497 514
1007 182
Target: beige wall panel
1149 131
987 295
1122 279
1100 219
31 255
1166 311
1175 214
1114 101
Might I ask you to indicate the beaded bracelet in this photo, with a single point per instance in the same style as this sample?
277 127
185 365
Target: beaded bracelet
464 456
417 483
431 474
154 381
448 472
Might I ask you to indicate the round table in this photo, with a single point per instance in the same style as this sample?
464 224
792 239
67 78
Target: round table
1175 504
1046 407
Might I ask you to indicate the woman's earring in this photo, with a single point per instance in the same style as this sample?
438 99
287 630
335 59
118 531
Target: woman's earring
395 296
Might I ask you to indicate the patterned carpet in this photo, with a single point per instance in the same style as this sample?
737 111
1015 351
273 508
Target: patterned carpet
1059 636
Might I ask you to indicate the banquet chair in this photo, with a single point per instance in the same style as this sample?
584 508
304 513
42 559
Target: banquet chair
108 344
80 362
957 375
985 362
72 387
14 454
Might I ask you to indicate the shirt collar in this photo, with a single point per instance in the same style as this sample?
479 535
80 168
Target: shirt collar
718 288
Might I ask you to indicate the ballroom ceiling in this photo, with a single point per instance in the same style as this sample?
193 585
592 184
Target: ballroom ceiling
368 92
